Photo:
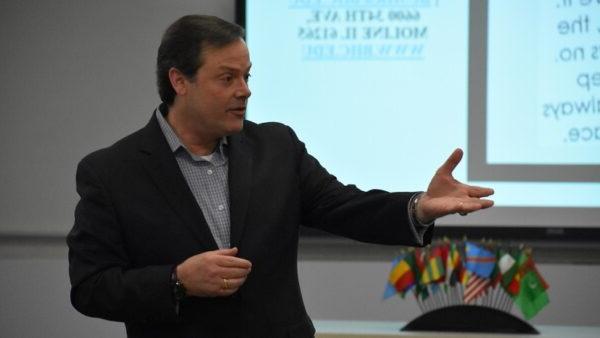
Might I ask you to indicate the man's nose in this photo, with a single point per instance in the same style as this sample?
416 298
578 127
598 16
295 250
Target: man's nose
244 90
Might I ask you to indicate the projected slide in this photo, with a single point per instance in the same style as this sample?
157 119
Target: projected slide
535 73
382 91
363 81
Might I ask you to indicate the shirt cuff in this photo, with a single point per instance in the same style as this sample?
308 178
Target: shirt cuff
418 229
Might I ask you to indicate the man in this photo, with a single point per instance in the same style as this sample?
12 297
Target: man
189 227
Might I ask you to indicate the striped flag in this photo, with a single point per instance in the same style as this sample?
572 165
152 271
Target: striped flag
434 270
402 276
476 287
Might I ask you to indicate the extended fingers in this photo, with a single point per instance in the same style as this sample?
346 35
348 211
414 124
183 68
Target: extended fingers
448 167
464 207
474 191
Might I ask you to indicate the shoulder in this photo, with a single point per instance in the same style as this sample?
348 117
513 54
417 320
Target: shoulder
269 131
112 157
273 142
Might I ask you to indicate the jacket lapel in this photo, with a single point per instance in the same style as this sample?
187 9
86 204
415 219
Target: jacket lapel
162 166
240 182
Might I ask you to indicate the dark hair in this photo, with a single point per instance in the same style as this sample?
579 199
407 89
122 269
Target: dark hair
182 45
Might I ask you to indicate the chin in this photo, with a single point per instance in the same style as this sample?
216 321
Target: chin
235 127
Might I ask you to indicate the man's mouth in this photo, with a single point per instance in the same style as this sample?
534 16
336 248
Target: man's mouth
240 111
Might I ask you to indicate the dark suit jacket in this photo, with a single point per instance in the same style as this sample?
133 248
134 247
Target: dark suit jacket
137 218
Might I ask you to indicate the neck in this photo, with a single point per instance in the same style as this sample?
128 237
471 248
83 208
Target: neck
191 133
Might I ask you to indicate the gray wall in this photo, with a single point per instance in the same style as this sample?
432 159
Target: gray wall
79 74
339 280
76 76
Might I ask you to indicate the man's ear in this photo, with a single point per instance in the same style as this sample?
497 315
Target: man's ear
178 81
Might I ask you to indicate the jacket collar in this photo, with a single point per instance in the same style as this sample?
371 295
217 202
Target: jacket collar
160 163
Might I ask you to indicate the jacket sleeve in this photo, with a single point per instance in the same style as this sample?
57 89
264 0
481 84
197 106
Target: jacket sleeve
373 216
103 284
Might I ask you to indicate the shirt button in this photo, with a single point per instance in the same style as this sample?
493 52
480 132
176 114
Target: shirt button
209 171
221 207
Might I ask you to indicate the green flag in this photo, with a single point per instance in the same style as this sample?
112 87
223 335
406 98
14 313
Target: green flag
532 295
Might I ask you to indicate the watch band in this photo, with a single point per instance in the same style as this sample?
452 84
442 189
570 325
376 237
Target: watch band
178 290
413 210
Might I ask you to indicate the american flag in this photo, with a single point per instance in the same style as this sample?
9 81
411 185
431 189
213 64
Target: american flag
476 287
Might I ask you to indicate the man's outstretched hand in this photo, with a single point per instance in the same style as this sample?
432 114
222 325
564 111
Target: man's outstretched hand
445 195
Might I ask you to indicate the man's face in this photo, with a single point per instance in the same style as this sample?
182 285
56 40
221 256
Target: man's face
216 98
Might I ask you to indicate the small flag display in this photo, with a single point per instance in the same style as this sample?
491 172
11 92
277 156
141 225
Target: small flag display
450 273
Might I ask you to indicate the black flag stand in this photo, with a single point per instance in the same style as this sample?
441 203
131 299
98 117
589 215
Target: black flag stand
469 318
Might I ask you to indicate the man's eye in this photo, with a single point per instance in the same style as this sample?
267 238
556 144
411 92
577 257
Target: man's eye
247 77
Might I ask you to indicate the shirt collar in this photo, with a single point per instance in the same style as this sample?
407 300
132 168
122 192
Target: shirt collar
219 156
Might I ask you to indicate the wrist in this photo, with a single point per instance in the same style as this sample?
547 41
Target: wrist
417 210
178 290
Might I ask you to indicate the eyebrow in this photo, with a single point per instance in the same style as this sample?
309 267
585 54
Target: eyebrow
234 69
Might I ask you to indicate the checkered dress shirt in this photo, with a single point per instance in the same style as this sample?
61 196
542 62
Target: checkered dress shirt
207 178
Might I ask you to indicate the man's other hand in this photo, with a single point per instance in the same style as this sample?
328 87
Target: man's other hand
445 195
213 273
